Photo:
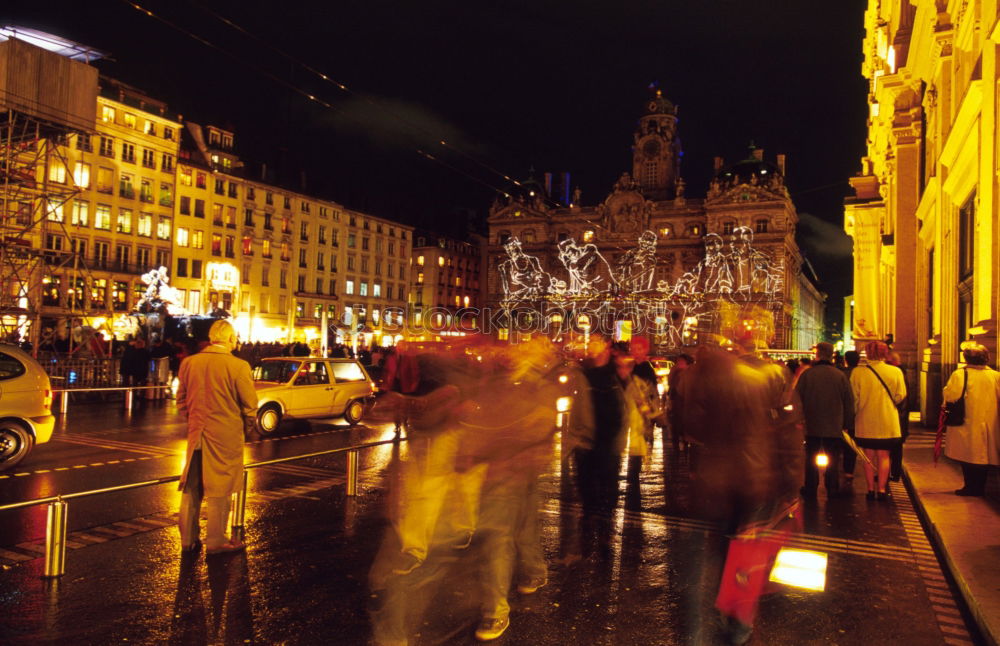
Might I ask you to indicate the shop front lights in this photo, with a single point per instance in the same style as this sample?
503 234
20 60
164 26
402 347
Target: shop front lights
563 404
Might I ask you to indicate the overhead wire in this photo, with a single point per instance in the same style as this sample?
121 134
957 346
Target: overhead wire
365 97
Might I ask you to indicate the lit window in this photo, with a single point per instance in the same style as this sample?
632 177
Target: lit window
349 287
182 237
420 278
57 172
420 261
466 299
363 289
145 227
80 212
81 175
129 120
197 239
163 228
440 261
186 179
377 290
588 235
107 114
124 221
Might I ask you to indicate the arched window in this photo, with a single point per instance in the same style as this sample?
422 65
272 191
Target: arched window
528 235
503 237
760 226
728 226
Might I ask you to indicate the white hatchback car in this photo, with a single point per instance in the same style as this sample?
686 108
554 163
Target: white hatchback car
25 405
308 388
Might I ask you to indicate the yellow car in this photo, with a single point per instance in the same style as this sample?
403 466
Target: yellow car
25 405
309 388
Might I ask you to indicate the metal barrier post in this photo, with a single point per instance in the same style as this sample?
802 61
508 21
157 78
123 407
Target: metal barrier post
128 399
64 402
240 504
55 539
352 473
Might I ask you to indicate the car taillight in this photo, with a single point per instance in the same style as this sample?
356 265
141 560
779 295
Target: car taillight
47 401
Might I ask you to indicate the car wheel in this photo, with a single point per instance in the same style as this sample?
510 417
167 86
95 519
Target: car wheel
268 419
15 443
355 411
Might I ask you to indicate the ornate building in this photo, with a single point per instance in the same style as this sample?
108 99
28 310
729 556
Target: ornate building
925 217
654 243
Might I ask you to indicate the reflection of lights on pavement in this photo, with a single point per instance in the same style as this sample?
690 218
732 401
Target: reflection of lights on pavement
800 569
173 387
822 460
563 403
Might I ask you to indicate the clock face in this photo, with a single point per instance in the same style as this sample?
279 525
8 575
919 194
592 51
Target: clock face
651 148
652 106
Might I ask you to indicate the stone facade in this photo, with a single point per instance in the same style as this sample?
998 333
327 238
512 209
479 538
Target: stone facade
647 211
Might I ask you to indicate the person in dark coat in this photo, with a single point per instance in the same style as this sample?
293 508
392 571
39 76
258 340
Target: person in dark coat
600 433
828 405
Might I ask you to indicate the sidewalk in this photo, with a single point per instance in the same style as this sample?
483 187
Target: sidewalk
965 530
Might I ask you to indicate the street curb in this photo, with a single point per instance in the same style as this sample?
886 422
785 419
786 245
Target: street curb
986 629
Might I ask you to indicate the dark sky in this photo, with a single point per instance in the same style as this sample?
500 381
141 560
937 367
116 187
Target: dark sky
554 85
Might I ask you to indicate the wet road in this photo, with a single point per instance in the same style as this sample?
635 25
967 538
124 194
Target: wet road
304 578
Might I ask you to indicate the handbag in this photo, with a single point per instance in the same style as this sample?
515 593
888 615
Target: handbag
901 408
954 412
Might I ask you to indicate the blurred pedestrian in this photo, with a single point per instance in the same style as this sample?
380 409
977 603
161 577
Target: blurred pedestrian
676 402
903 410
828 407
975 445
878 388
216 393
598 429
851 360
744 424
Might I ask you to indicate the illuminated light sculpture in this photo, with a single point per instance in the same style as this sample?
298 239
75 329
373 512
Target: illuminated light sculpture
160 294
730 276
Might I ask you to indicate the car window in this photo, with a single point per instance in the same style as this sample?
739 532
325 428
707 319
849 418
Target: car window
348 371
278 371
10 367
313 374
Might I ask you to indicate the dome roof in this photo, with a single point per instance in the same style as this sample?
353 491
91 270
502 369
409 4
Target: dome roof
745 170
659 104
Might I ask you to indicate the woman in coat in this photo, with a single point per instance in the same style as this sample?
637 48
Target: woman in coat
878 388
976 443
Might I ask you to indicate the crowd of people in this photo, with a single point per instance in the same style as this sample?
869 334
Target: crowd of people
482 422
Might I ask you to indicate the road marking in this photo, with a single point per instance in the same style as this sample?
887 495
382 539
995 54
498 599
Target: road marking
62 469
946 611
42 470
2 477
26 473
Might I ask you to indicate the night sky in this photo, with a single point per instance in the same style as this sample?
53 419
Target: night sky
554 85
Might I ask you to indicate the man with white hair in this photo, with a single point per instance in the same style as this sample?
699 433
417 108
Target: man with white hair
216 393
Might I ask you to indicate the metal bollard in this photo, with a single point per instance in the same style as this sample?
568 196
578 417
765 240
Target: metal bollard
240 503
352 473
128 399
64 402
55 539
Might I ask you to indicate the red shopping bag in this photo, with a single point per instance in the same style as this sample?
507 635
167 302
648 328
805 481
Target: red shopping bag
749 561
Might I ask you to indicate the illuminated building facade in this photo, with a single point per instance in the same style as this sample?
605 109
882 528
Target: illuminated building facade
652 240
109 195
117 222
924 218
444 282
279 261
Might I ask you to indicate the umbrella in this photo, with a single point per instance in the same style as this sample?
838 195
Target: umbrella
939 438
856 448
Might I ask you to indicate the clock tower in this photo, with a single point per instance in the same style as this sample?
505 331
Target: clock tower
657 150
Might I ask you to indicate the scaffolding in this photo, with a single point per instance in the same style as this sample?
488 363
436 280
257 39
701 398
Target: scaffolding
46 101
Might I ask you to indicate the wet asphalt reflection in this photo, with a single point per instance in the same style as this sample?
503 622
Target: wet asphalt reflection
304 579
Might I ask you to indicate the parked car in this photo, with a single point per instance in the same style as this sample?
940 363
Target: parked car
309 388
25 405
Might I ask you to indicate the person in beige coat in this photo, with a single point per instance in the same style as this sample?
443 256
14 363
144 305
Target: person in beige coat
976 443
217 395
876 420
